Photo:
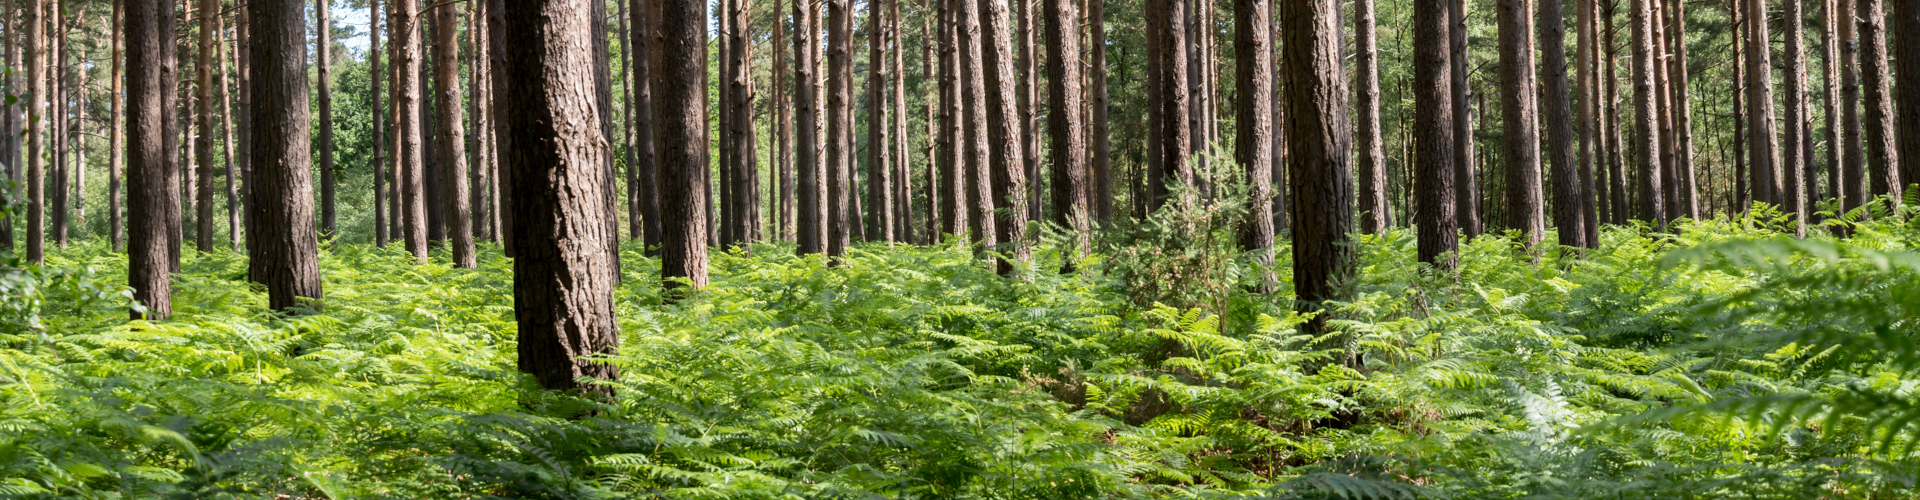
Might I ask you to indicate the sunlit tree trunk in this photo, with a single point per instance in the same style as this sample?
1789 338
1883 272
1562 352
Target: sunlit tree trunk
1793 162
1006 168
282 181
1466 176
1434 144
153 179
1883 164
678 48
1519 108
450 142
1167 99
323 50
1371 158
1646 124
1319 142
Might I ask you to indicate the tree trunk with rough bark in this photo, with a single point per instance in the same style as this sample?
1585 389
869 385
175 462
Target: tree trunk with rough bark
1883 161
1319 142
1556 117
1167 100
1370 157
153 179
1519 107
1007 169
1466 169
405 56
450 144
1646 124
287 242
1434 106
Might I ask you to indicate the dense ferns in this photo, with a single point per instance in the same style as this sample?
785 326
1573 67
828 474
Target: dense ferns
1720 361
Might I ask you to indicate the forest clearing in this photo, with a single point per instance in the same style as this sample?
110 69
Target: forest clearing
960 249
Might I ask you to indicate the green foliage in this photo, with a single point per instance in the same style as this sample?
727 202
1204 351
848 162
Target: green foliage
1717 361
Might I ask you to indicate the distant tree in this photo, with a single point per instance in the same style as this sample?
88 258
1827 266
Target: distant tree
1066 129
1883 162
880 223
1556 116
1646 124
405 47
450 141
36 113
1466 175
1370 157
1101 166
323 55
842 215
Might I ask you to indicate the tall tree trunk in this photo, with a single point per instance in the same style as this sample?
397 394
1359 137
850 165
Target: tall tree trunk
563 278
1883 162
1027 72
647 164
1766 174
1793 162
1853 150
785 209
678 69
974 122
57 121
1071 192
1741 196
1371 159
432 189
323 50
1520 132
36 117
113 129
1682 112
1646 123
1435 104
1617 184
1101 168
1008 171
10 118
1253 126
153 179
812 218
221 80
1167 97
1556 117
1830 98
952 187
282 182
1663 110
1466 176
879 148
405 48
1322 179
451 142
1903 19
839 168
1586 116
903 183
381 204
746 176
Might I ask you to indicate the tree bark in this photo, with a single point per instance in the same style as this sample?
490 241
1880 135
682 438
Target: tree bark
1586 118
839 168
1852 149
784 209
903 184
323 50
1371 158
220 80
1071 189
563 278
678 48
1682 113
1794 134
1007 168
405 47
1101 167
1520 132
1903 18
1322 179
812 218
450 143
1556 117
1883 162
974 121
36 112
378 162
1830 98
114 226
1434 107
1646 123
287 242
1167 97
880 222
1761 162
1466 175
153 180
952 166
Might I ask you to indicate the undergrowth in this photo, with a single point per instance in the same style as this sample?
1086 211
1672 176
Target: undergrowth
1717 361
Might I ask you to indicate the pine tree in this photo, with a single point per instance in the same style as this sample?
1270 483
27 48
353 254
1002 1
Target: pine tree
284 230
1433 129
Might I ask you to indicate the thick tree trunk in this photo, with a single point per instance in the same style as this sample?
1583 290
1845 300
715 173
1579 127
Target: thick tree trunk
405 48
1322 179
563 278
1883 162
1371 158
1167 102
841 216
1101 167
1586 118
153 179
323 50
1434 101
1903 18
1253 126
1519 108
284 216
678 69
952 166
1007 168
1646 124
1793 164
1466 169
450 143
1556 117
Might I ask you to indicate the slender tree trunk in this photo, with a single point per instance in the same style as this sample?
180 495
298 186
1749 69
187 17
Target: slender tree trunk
451 143
1556 117
10 119
1253 125
785 209
323 50
952 187
221 80
378 161
1435 104
1793 163
1101 168
153 179
1071 192
57 120
1742 195
647 166
563 278
1371 159
1766 175
1466 177
841 216
745 177
1853 149
879 148
1587 116
1519 108
433 191
812 218
287 241
1027 72
1830 98
903 184
1682 112
1883 162
1617 183
1663 110
1322 179
1646 123
405 47
114 234
36 113
1167 98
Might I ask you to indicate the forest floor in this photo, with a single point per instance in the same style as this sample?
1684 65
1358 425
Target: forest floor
1719 360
